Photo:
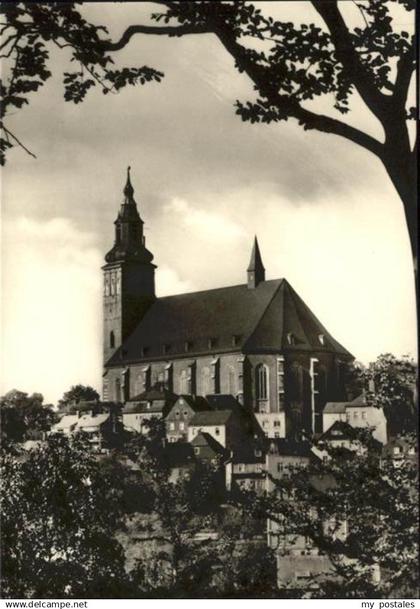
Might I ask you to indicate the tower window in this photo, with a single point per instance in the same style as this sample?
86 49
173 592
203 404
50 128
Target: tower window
112 339
262 382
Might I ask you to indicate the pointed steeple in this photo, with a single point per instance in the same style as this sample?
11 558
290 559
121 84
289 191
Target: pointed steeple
255 270
129 236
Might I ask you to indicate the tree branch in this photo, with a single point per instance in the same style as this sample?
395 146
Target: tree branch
405 69
181 30
9 133
309 119
347 55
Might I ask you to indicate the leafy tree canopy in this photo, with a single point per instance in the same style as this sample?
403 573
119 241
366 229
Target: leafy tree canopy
77 393
288 65
58 514
360 511
391 385
24 416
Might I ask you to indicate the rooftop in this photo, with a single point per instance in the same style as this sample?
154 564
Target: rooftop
269 318
211 417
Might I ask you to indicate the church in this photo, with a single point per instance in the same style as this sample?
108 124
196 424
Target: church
257 341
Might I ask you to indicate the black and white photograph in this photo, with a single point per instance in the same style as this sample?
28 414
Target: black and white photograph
208 305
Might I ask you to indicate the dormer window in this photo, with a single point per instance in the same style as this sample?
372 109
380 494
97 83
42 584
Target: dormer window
235 340
211 343
321 339
144 351
291 338
166 348
187 345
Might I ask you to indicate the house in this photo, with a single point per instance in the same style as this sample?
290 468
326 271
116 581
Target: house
152 404
273 424
216 423
246 470
400 449
256 341
225 426
181 459
284 456
100 421
209 450
179 416
357 413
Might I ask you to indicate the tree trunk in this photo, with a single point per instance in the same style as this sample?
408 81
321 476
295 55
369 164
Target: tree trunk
401 166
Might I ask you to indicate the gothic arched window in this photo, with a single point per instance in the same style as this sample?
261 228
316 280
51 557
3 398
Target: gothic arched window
183 382
205 381
117 390
261 374
231 381
112 339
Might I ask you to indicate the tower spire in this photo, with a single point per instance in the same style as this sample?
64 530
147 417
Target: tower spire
255 270
128 188
129 236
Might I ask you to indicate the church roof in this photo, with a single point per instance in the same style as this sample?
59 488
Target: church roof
211 417
255 263
267 319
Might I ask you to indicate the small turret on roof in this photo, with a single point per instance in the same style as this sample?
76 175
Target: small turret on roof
256 270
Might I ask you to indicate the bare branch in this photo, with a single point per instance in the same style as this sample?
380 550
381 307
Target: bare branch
181 30
326 124
9 133
6 42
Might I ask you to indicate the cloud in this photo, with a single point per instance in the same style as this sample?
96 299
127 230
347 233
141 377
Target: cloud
51 315
207 225
168 282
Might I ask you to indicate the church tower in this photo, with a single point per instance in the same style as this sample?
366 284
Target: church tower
255 270
129 276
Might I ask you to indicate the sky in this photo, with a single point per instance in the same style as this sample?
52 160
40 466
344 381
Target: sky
325 213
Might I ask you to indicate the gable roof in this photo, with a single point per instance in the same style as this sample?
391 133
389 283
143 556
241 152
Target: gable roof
66 423
155 393
205 439
259 319
211 417
287 447
339 430
87 421
341 407
335 408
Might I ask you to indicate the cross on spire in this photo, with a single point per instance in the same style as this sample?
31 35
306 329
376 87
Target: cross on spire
128 188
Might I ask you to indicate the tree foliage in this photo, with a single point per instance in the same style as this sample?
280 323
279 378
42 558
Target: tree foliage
288 64
24 416
58 514
76 394
360 511
391 385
